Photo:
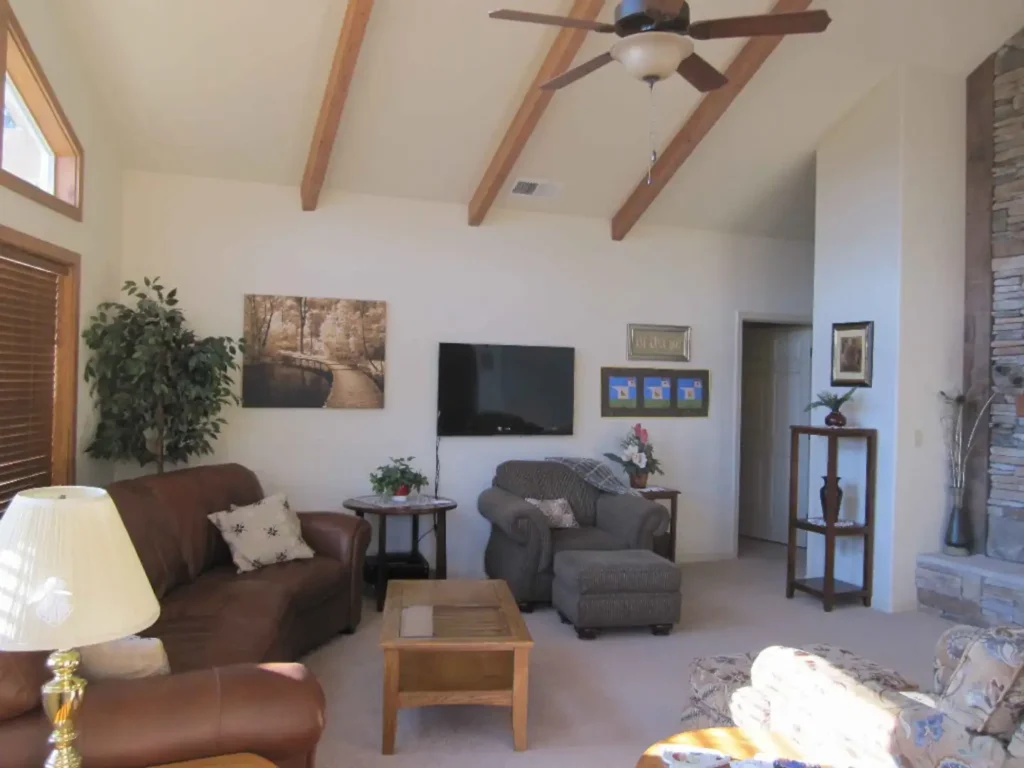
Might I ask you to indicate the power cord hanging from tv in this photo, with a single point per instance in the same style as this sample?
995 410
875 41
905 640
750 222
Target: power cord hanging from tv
437 461
437 483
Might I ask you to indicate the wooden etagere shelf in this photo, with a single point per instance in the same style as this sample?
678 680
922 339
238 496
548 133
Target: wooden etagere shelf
827 588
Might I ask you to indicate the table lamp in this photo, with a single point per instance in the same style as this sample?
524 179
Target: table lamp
69 576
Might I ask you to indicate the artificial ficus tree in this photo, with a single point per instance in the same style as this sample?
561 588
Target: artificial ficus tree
159 387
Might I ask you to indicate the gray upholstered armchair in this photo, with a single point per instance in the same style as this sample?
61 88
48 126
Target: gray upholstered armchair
522 547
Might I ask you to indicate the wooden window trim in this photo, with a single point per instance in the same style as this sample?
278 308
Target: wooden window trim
19 61
65 398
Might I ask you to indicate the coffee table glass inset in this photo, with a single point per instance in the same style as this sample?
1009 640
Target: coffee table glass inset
453 642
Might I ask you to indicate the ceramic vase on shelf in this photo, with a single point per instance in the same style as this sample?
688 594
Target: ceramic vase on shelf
823 495
835 419
959 537
638 480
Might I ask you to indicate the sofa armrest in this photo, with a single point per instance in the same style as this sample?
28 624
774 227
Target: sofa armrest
273 710
519 520
341 537
633 519
948 651
842 710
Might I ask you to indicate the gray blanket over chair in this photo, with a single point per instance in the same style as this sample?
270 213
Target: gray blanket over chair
594 473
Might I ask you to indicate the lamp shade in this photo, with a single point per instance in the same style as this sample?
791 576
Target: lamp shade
69 574
652 55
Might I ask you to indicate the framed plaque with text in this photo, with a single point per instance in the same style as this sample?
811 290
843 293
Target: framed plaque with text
668 343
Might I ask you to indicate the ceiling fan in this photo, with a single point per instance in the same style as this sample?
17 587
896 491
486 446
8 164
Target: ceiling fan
657 39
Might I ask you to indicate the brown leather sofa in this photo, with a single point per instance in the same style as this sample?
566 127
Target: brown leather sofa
226 635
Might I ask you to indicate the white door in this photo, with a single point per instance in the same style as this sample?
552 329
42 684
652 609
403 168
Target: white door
776 388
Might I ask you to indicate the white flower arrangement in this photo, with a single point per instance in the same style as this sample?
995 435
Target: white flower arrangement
637 454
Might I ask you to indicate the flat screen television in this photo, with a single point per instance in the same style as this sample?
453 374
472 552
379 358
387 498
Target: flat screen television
494 389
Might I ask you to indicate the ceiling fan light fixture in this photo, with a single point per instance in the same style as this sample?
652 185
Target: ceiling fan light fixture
652 56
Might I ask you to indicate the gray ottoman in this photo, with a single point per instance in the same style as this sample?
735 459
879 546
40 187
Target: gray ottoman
622 588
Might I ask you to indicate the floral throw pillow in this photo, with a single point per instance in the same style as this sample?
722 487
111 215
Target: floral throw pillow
557 512
261 534
985 693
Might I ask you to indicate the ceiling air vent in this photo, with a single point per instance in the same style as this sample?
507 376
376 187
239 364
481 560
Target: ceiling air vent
536 188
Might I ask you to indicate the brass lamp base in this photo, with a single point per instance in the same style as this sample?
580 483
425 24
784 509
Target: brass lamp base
61 698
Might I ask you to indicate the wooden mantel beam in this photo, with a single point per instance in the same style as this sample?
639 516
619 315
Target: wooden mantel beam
707 114
353 29
567 44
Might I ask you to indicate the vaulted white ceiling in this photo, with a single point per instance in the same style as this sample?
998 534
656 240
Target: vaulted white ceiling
231 88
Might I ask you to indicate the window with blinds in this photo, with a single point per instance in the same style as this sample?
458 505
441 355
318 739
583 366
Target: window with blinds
30 310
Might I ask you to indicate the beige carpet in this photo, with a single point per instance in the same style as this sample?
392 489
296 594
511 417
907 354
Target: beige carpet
601 703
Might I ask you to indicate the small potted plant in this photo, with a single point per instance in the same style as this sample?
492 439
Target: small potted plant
397 480
834 403
637 457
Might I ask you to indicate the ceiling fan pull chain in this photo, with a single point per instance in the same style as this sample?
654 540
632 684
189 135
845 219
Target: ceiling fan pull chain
654 150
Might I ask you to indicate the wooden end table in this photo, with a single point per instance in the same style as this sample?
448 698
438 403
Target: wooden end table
735 742
416 506
477 651
664 543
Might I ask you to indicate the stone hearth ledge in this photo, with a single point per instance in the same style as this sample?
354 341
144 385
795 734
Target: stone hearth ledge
977 590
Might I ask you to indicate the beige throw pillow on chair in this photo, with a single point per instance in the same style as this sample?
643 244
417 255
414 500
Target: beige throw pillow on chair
263 533
558 512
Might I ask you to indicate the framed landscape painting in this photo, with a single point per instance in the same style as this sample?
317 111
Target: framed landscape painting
653 392
303 352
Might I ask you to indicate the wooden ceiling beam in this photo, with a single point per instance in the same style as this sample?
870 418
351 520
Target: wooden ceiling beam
560 57
353 30
707 114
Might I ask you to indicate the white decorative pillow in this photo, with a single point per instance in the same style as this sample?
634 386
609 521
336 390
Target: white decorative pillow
557 512
263 533
125 659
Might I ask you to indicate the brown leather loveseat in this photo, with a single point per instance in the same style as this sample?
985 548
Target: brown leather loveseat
225 634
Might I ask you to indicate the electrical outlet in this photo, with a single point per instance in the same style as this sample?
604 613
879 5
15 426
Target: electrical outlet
918 438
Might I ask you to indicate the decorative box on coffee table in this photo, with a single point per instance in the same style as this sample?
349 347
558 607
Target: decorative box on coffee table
828 588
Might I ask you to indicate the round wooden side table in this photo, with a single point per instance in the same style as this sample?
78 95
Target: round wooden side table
735 742
414 507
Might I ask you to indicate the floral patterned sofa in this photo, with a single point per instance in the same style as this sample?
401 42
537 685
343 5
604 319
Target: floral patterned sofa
843 710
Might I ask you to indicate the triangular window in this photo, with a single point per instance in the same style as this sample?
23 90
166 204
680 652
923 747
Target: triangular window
26 153
40 156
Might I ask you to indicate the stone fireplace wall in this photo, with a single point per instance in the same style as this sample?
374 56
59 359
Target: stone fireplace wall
1005 535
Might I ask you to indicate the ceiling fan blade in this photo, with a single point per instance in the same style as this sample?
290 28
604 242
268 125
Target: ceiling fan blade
806 22
574 74
556 21
700 74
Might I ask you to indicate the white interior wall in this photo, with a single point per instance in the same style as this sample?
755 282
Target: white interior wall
98 237
856 278
889 249
931 311
520 279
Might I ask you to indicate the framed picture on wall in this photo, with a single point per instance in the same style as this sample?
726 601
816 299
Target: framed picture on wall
853 347
667 343
654 392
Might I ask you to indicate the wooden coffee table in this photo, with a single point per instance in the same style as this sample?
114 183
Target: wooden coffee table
477 651
734 742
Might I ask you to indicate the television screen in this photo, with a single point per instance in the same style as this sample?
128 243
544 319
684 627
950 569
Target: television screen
492 389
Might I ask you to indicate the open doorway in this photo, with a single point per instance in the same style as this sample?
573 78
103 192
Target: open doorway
775 388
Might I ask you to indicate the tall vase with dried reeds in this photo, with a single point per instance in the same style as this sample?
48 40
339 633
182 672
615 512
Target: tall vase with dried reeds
960 443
